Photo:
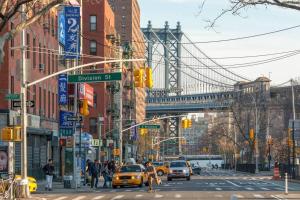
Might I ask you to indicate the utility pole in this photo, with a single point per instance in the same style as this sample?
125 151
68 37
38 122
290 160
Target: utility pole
100 121
293 136
24 183
256 139
121 107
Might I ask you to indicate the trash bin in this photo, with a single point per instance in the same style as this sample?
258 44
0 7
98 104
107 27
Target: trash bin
68 181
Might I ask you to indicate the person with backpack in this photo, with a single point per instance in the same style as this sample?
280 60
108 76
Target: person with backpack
49 171
95 171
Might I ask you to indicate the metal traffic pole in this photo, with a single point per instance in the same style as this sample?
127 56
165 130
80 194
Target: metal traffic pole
286 184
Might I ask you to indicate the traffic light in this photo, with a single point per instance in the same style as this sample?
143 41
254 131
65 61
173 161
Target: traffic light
84 109
11 134
190 123
184 123
139 78
143 131
149 80
251 134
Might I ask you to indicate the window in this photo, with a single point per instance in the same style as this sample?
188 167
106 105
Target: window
53 104
49 62
93 47
44 102
40 98
93 125
95 100
40 54
12 87
52 27
34 53
93 23
28 45
49 104
34 98
12 41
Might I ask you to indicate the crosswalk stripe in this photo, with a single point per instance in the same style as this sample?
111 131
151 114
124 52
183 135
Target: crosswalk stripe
258 196
219 196
118 197
79 198
158 196
233 183
60 198
139 196
98 197
238 196
219 189
177 196
265 189
249 188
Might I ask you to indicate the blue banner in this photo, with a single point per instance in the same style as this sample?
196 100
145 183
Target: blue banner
133 132
62 28
63 119
72 32
63 89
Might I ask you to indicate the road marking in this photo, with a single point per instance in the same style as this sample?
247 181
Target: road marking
112 191
60 198
177 196
233 183
139 196
219 196
118 197
276 197
128 190
238 196
158 196
142 190
219 189
249 188
258 196
265 189
98 197
79 198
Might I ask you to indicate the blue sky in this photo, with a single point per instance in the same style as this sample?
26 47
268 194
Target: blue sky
255 20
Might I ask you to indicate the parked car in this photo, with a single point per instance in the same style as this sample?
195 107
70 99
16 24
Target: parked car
179 169
161 168
130 175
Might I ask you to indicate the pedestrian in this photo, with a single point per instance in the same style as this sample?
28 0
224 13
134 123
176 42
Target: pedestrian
95 172
49 171
105 174
151 173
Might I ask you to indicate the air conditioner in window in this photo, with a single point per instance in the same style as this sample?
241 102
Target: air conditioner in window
42 67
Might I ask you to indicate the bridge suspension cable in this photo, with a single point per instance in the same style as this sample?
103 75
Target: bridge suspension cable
221 84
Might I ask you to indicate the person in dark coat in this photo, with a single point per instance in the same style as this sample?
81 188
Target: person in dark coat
95 172
49 171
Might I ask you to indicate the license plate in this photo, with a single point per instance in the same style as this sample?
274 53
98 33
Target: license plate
124 181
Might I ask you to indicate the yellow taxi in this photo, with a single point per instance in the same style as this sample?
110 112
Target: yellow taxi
130 175
31 183
161 168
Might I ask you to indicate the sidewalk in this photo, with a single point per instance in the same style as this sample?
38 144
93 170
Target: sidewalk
58 187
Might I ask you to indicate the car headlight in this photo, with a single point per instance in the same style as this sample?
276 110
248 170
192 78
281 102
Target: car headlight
171 171
184 171
132 177
117 178
138 177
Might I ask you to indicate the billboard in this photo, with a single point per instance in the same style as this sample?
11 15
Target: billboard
3 159
61 28
63 119
63 89
86 91
72 32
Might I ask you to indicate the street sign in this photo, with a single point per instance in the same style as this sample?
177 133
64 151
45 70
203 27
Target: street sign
96 142
150 126
74 118
92 78
12 96
17 104
116 152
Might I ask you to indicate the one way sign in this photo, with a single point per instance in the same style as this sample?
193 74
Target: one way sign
17 104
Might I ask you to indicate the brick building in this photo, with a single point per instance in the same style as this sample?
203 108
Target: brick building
41 60
127 23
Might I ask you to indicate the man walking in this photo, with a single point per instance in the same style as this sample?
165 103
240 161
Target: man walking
49 170
95 171
151 172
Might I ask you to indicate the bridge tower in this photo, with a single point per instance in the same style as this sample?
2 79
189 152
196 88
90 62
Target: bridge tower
172 80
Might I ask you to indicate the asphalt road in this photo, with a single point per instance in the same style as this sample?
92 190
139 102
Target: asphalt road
210 185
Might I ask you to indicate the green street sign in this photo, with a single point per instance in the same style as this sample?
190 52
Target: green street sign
150 126
12 96
92 78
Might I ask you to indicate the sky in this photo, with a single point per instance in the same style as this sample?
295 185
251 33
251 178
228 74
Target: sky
255 20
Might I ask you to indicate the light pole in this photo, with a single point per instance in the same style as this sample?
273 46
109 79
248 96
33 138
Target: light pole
293 129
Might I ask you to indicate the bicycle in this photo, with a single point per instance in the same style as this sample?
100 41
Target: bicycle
8 188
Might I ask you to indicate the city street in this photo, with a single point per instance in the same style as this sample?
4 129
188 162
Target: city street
211 184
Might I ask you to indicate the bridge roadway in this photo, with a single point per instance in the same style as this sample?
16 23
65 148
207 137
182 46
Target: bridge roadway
188 103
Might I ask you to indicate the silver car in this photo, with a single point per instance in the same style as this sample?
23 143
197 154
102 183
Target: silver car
179 169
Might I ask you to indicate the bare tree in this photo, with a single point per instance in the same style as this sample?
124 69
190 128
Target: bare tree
10 9
237 6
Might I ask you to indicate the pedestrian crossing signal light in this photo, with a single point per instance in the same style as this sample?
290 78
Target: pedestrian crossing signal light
84 109
149 80
139 78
